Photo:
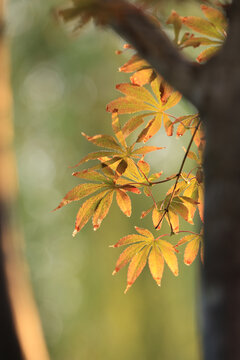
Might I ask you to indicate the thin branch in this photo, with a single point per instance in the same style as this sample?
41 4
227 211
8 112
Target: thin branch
179 174
146 36
169 178
186 231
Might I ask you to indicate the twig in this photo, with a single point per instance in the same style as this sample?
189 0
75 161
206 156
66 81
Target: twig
179 174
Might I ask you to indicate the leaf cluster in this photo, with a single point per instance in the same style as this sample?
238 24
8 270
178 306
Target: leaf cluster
121 168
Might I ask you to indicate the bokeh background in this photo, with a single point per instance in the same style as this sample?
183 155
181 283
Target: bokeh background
61 85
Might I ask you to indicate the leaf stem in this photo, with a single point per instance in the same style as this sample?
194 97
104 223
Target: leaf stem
179 173
186 231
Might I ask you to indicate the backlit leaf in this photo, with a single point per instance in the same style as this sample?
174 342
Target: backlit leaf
143 77
174 219
87 210
175 20
202 26
102 210
90 175
125 105
96 155
136 266
168 125
173 100
127 255
134 64
178 207
157 216
132 124
79 192
156 264
124 202
146 149
215 16
105 141
191 251
143 167
118 130
135 91
144 232
155 176
168 252
151 129
208 53
129 239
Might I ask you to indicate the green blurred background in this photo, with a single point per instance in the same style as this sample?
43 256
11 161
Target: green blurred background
61 86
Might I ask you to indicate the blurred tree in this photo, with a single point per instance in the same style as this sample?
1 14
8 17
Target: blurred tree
214 89
20 334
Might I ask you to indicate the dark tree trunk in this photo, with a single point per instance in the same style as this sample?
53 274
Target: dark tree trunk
20 330
9 344
221 114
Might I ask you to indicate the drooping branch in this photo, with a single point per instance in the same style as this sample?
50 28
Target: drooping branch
137 28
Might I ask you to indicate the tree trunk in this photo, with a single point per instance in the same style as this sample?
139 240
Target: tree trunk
20 331
221 114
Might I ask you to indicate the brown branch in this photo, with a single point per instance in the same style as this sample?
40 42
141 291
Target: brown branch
149 40
154 46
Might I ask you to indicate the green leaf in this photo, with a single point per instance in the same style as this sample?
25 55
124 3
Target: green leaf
215 16
202 26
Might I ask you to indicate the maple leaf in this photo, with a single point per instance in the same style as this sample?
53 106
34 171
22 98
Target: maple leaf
213 28
154 104
143 72
194 243
98 205
119 156
144 247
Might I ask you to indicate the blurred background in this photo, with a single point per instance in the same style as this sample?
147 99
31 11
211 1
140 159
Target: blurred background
61 85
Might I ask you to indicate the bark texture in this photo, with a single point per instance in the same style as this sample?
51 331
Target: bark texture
221 275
